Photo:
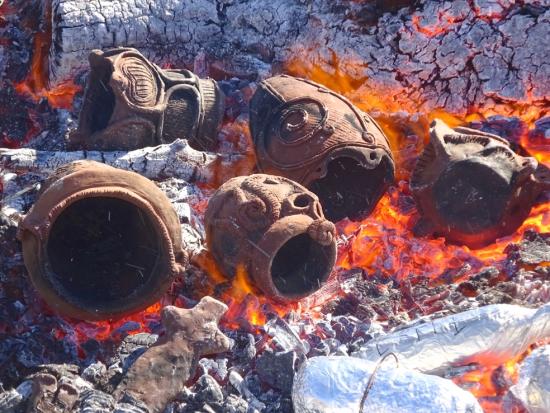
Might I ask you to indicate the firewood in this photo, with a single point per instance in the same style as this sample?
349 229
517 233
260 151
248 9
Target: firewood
439 54
175 160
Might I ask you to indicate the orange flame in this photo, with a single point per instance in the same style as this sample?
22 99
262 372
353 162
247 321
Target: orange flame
35 86
246 304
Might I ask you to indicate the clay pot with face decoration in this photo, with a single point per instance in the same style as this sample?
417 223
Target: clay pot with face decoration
131 103
100 243
275 230
471 188
310 134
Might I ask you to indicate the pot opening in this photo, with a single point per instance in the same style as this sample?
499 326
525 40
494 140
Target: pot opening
350 189
471 197
102 101
101 250
301 266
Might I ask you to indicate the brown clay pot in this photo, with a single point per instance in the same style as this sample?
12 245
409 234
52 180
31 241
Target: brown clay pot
131 103
275 229
100 243
306 132
471 188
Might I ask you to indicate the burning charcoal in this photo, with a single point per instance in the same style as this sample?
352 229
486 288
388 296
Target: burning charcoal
95 373
208 391
329 384
239 384
467 288
472 188
533 386
285 336
344 327
95 401
56 388
13 401
273 229
541 133
44 387
244 348
217 368
114 229
235 404
534 249
277 369
161 372
500 331
307 133
134 346
131 103
129 404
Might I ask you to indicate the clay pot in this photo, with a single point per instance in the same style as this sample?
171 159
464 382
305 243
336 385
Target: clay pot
471 188
275 230
305 132
131 103
100 243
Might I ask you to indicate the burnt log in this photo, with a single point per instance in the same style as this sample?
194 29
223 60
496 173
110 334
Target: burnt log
175 160
452 54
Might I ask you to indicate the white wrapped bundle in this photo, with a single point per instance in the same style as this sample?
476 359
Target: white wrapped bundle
533 387
339 384
497 332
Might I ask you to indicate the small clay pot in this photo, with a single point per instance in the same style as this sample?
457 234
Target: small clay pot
306 132
100 243
275 229
471 188
131 103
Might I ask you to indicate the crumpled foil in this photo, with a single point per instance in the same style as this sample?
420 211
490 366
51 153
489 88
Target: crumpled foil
533 387
338 384
495 333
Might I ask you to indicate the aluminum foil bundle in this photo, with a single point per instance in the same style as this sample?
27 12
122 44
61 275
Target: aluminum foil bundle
533 386
497 332
347 384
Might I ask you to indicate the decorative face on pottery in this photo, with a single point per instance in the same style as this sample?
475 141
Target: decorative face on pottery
306 132
471 187
131 103
100 243
275 230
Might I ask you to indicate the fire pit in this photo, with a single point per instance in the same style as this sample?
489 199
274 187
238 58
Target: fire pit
432 274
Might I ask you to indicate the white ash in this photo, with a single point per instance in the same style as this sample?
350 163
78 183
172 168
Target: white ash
533 386
175 160
440 54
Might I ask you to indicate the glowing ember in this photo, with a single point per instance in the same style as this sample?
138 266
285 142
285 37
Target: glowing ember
35 85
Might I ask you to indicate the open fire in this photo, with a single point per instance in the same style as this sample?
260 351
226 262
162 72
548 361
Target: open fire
390 270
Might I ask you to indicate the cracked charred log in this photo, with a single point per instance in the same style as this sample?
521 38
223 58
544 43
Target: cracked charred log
274 229
471 188
131 103
100 243
305 132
